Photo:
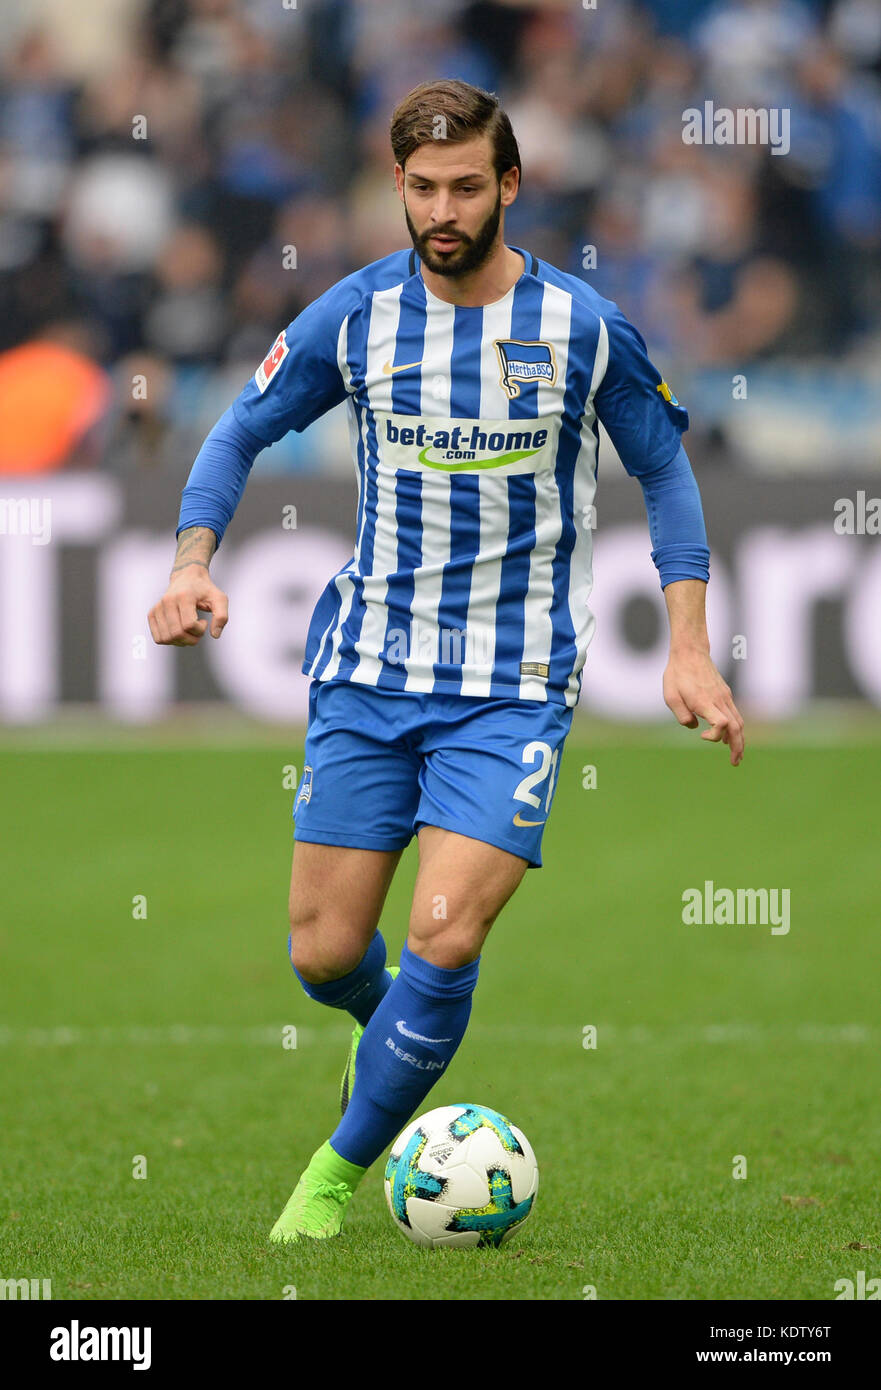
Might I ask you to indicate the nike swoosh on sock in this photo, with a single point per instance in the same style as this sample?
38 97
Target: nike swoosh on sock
418 1037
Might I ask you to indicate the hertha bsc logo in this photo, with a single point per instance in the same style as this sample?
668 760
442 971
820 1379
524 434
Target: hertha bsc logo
525 362
305 792
271 362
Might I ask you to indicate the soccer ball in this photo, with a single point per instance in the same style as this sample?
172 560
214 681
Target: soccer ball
460 1175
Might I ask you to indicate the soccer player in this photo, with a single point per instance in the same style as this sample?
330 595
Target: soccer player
445 656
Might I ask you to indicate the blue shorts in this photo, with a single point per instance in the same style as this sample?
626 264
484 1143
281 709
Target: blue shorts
381 763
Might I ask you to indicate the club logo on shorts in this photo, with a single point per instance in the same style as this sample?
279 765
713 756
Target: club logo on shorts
305 792
525 362
271 362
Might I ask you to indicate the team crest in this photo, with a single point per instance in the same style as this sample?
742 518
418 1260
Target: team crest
305 792
525 362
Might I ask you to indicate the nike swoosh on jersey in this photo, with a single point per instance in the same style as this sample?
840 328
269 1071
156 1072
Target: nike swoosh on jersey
389 370
417 1037
519 821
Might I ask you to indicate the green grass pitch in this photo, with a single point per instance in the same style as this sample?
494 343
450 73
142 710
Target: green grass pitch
162 1036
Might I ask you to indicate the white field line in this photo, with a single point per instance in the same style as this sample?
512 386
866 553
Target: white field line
555 1035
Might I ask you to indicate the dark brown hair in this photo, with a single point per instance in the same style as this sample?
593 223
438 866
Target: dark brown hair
467 112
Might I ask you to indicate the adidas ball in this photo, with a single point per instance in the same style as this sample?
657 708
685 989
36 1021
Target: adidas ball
460 1175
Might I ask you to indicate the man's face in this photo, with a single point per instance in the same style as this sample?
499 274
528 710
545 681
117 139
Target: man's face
453 203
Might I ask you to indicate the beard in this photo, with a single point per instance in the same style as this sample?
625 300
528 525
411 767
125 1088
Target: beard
471 252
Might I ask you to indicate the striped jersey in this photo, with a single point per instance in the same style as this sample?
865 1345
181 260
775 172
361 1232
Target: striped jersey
474 435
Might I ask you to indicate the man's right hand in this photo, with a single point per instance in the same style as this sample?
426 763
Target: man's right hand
174 621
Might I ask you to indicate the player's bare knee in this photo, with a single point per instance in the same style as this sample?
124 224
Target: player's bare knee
449 945
319 952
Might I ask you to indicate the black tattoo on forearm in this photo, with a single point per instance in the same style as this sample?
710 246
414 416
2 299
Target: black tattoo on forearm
195 546
188 564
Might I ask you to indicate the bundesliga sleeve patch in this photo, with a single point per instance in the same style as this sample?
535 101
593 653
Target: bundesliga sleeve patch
271 362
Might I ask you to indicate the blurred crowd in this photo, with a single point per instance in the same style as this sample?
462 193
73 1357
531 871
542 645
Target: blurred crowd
178 178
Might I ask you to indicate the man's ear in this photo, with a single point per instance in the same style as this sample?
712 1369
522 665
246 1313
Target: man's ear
509 186
399 181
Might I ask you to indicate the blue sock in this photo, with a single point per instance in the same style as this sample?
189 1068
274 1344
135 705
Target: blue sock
361 990
404 1049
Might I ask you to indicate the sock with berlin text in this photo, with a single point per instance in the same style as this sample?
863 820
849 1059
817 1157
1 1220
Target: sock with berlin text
406 1046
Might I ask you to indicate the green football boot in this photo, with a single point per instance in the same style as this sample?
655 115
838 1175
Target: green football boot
347 1084
317 1205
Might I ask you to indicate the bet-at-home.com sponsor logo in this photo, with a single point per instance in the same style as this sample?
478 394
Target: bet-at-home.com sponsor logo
467 446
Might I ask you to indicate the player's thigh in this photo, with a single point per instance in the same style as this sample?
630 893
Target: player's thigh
336 900
353 812
462 884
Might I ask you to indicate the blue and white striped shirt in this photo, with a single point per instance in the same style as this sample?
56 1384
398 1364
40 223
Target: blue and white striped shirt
474 432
